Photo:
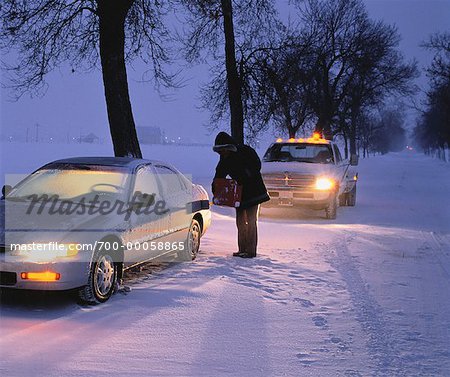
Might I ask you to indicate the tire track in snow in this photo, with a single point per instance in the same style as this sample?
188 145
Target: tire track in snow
440 250
435 298
381 346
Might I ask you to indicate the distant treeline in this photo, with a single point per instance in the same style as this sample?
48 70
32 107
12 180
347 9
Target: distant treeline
432 132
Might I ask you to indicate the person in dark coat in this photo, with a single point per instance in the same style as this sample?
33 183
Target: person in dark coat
242 164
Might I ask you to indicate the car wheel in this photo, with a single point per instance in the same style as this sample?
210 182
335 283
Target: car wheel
193 240
331 210
102 279
351 201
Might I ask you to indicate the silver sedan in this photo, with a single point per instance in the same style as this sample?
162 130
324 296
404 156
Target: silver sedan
80 222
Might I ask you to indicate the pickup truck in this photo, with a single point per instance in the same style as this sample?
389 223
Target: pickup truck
309 173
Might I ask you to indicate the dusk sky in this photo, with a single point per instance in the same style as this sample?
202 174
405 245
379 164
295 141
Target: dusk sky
74 102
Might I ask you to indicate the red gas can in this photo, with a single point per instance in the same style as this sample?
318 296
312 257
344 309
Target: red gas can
227 192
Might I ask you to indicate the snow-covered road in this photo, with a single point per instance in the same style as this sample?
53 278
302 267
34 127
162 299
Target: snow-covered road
365 295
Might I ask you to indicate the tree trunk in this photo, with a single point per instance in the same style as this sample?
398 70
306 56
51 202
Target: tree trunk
233 79
291 129
352 134
112 14
344 134
323 126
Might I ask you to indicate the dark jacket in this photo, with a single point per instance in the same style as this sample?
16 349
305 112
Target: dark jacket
243 165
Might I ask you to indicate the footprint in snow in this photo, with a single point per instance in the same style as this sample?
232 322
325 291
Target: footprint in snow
319 321
272 281
303 302
336 340
352 373
275 299
413 336
305 359
339 343
123 289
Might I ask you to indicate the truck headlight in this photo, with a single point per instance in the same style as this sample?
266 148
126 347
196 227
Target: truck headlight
324 183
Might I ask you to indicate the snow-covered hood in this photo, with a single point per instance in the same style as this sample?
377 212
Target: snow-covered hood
18 226
298 168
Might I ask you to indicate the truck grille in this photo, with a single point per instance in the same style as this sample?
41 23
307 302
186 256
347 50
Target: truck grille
300 181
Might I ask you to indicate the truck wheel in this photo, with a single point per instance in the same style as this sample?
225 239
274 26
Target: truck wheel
331 210
351 198
343 200
102 279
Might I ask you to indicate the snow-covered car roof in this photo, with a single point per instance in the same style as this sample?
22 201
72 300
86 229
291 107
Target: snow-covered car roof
128 163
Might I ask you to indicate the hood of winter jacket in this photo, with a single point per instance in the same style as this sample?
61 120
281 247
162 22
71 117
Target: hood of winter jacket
224 142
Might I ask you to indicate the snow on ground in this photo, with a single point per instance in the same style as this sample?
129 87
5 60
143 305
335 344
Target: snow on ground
364 295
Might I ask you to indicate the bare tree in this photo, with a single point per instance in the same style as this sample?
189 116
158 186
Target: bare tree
49 33
283 84
334 27
439 70
355 64
432 132
244 29
376 72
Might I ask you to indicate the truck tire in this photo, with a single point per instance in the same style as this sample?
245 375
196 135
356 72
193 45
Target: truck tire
351 197
331 210
343 199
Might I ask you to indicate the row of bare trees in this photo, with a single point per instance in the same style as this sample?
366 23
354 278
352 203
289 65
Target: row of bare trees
432 132
328 69
331 70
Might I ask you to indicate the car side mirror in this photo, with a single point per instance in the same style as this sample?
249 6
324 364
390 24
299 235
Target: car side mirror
354 159
6 189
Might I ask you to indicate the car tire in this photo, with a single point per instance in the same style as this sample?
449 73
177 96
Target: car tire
331 210
193 240
351 197
102 279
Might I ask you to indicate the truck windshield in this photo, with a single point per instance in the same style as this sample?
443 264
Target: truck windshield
287 152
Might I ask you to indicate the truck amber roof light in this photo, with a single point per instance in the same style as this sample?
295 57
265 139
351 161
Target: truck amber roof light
316 138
